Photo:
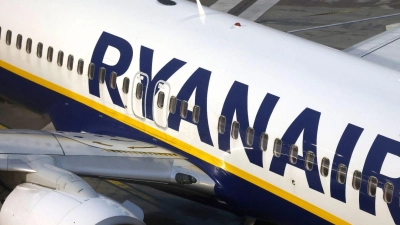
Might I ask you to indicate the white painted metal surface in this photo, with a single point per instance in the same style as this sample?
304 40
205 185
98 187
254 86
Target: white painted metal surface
303 74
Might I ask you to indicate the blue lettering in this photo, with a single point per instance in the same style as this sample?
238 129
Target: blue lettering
146 66
236 101
126 54
198 81
373 164
307 122
343 154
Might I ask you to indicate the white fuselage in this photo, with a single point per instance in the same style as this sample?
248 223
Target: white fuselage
343 88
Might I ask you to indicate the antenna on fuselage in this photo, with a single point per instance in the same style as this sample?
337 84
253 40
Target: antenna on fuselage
200 7
202 14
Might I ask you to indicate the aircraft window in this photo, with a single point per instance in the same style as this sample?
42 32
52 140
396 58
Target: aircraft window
294 151
29 46
264 141
70 62
19 41
221 124
160 99
172 105
372 183
102 75
341 174
184 107
60 58
309 162
249 136
125 85
277 147
139 90
79 69
91 71
357 178
388 192
235 130
50 54
196 114
8 37
113 80
325 167
39 50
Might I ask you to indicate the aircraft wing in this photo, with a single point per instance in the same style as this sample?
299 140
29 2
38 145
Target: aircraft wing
48 163
383 49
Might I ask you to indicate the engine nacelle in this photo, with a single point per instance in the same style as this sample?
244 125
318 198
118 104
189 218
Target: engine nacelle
30 204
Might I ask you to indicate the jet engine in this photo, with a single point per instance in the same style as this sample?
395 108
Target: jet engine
31 204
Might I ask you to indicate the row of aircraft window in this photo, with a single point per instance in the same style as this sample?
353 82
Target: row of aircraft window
341 172
102 75
235 127
39 52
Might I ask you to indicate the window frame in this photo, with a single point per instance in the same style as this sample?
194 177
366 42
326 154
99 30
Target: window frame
277 147
139 91
28 47
385 189
8 37
196 114
357 180
125 85
18 44
221 124
235 128
250 136
293 154
113 80
323 168
160 99
79 68
371 187
39 50
340 172
102 75
60 58
70 63
308 162
91 70
262 140
49 56
184 109
173 101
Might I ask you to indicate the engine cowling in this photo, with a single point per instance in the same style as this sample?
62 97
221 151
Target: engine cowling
30 204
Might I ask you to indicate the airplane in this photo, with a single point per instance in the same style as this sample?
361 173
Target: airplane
220 109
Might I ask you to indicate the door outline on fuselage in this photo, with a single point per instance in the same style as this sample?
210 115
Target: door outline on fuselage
160 115
137 104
